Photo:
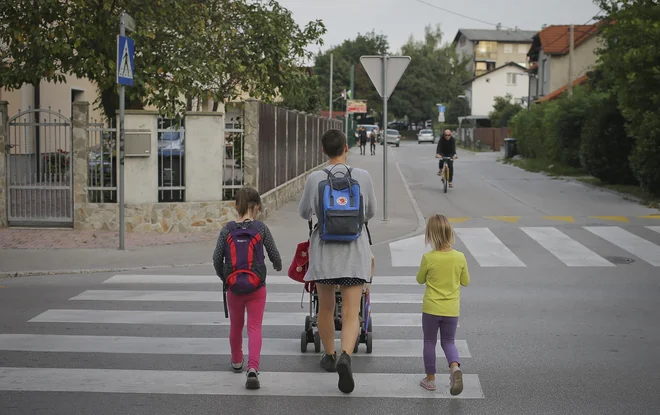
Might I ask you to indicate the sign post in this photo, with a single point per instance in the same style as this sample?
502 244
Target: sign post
385 72
125 75
441 112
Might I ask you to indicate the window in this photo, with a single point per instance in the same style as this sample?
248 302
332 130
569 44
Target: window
508 48
523 48
511 78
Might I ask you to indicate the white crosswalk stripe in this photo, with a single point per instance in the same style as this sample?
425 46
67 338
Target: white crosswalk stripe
145 296
488 250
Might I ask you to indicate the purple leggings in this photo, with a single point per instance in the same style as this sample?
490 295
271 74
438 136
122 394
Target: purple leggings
447 326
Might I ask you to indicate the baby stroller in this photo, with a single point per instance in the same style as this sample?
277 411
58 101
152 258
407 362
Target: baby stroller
309 335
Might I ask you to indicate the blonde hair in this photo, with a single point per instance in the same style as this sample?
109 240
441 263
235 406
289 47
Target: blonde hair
439 233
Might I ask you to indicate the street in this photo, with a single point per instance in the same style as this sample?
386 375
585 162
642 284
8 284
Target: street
561 316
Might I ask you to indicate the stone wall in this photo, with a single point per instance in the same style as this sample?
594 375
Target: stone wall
4 117
279 196
157 217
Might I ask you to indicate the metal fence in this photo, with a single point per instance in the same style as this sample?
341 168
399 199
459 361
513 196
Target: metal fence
232 162
40 186
102 162
289 144
171 160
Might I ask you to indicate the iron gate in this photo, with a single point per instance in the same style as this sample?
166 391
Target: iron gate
40 183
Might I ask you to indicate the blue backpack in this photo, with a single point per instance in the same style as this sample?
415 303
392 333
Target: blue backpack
342 212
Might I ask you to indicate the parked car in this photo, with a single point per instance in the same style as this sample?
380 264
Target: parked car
393 137
425 136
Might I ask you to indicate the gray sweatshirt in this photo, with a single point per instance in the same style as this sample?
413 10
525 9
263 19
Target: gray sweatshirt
338 259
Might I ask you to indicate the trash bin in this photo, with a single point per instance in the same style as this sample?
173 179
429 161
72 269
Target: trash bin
509 147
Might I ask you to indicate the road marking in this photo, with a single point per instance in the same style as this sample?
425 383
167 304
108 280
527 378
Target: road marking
612 218
629 242
510 219
198 346
199 318
569 219
216 296
487 249
458 220
650 217
654 228
368 385
212 279
408 252
566 249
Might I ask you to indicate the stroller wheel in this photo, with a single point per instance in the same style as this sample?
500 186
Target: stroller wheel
317 342
303 342
369 339
308 323
369 326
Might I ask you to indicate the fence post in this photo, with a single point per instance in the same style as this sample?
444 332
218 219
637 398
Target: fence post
297 143
79 164
4 154
251 144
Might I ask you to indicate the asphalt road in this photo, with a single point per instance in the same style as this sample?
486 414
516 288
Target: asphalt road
561 318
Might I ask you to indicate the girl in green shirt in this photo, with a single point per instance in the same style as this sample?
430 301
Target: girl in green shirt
443 270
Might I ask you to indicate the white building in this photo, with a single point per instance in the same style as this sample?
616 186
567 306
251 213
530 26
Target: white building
482 90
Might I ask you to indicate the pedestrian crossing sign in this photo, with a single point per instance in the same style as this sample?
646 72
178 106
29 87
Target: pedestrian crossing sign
125 63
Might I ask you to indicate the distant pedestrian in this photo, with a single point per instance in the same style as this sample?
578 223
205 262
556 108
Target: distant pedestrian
443 270
372 139
363 141
239 261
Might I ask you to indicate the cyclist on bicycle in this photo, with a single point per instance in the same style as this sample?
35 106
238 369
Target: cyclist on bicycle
447 148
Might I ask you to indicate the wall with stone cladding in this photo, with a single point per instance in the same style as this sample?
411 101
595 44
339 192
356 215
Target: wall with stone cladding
157 217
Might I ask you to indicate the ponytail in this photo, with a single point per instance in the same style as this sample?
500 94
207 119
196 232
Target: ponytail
247 199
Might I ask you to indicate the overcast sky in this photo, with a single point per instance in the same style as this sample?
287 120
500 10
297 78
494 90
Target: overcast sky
398 19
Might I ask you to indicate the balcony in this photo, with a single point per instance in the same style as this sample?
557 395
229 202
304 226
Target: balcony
485 56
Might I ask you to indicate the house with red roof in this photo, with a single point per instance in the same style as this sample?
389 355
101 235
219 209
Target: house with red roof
549 58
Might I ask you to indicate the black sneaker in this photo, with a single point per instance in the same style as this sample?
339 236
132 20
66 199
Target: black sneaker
252 381
346 383
328 362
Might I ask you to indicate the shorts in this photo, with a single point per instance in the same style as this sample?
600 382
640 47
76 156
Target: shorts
342 281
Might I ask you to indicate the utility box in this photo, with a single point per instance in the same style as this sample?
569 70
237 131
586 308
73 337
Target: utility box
137 143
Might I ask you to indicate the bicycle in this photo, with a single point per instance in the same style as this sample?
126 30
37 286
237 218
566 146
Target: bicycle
445 172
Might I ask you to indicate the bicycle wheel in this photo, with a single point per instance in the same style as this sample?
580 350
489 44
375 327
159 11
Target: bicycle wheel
445 177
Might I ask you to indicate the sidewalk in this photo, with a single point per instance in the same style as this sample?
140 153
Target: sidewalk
56 251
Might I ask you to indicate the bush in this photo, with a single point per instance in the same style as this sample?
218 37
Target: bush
527 129
605 147
645 158
566 126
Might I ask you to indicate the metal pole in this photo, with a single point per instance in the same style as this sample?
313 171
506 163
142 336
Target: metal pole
331 64
346 119
122 32
570 64
352 90
384 137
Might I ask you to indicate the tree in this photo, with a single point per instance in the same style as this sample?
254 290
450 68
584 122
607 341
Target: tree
345 55
503 110
184 48
434 76
628 63
303 93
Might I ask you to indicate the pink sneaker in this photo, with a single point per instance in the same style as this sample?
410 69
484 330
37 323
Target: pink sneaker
427 384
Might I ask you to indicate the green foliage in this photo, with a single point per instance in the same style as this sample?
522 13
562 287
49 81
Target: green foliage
433 76
213 49
528 130
303 93
566 126
343 56
456 107
629 66
503 110
605 148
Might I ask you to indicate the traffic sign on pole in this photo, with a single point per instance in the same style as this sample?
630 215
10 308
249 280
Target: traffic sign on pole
125 63
396 66
385 73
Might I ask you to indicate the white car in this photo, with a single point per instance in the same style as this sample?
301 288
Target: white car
393 137
425 136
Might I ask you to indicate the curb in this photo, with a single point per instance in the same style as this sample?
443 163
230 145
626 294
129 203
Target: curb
17 274
418 212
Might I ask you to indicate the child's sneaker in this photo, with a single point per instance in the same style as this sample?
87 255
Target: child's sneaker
346 383
456 382
252 381
329 362
427 384
237 367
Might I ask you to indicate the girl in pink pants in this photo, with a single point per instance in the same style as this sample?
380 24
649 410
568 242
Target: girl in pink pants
239 261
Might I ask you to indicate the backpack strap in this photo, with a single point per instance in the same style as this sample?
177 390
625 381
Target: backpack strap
366 225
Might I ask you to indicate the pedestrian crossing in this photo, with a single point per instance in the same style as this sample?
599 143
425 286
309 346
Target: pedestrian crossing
93 321
575 246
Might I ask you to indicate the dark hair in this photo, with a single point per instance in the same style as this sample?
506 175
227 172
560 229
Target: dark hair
334 143
247 199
